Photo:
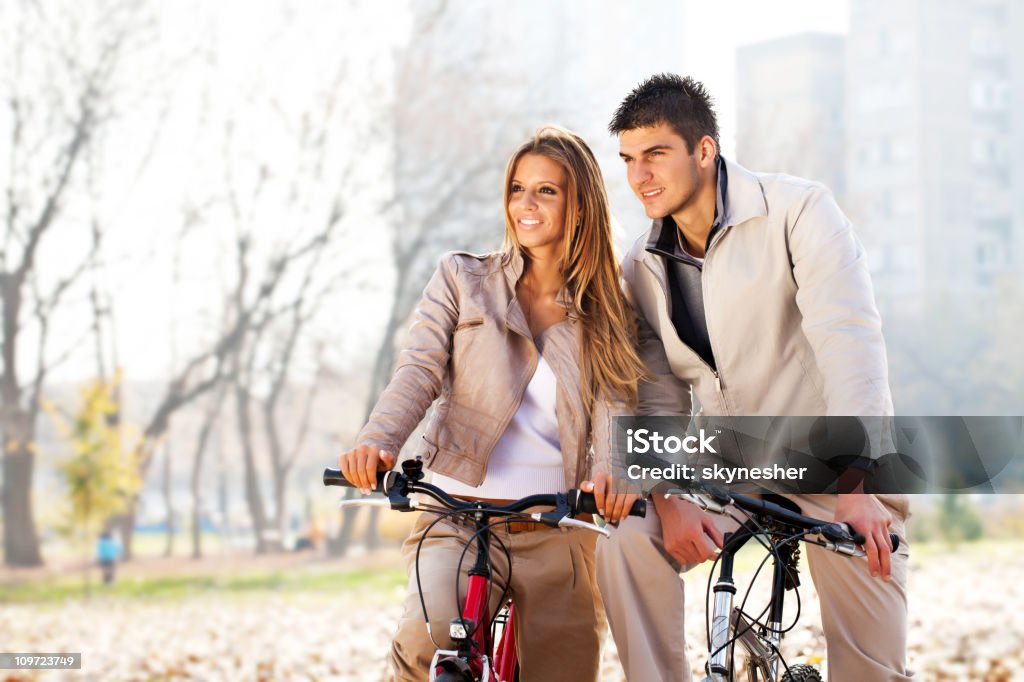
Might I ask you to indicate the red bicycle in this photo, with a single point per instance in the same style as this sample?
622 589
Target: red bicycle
485 643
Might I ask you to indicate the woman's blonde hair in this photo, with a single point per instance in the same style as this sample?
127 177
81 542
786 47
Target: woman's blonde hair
609 364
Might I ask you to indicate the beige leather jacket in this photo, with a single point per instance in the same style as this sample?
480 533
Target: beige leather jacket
470 346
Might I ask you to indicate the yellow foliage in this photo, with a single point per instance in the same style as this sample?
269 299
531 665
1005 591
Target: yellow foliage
102 473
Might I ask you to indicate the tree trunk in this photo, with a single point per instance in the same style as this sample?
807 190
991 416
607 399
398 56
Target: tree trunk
21 541
378 380
371 538
168 501
86 553
281 507
223 503
253 495
124 524
339 545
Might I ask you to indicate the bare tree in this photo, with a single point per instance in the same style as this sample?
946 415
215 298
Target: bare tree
209 422
66 62
449 169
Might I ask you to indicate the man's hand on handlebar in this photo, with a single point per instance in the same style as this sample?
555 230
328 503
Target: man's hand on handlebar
690 535
613 505
361 464
870 518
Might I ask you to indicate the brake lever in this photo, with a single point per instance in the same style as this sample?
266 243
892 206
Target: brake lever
375 502
560 518
703 501
569 522
847 548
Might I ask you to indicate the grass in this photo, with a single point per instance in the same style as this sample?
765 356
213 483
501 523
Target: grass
365 582
357 582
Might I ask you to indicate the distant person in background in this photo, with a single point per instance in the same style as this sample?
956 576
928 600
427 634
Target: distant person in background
108 550
529 350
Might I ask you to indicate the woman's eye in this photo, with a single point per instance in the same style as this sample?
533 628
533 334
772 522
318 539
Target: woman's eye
516 188
548 190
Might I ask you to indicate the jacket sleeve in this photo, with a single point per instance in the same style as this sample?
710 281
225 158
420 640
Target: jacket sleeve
422 364
840 319
602 435
661 393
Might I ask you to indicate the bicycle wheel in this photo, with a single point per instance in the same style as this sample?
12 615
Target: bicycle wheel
802 673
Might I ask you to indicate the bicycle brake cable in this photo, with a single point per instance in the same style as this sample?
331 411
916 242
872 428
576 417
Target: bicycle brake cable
416 565
506 588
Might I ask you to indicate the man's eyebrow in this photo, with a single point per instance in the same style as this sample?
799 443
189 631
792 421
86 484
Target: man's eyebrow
655 148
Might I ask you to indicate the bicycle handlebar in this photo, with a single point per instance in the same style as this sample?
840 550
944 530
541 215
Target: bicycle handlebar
578 502
834 532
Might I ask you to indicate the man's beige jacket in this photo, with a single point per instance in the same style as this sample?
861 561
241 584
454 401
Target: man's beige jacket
790 311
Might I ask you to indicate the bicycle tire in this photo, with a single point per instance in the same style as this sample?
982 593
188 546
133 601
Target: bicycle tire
802 673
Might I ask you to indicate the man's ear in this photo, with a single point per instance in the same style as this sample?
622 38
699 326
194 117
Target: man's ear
707 151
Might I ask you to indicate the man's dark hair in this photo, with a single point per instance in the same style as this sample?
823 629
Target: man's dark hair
680 101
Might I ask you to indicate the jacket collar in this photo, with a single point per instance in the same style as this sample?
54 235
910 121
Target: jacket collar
744 200
513 264
744 196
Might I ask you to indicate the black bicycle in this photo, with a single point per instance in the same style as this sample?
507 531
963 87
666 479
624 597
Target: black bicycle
779 529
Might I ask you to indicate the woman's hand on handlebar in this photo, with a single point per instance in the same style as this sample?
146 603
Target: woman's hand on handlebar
361 464
612 505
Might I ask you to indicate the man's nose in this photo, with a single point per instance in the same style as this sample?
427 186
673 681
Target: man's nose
639 173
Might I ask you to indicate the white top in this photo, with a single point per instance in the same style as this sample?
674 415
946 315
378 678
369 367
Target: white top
527 459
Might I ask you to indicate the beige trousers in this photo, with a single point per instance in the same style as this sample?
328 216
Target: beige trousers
864 619
558 618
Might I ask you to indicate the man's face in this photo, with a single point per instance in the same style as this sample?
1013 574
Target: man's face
662 172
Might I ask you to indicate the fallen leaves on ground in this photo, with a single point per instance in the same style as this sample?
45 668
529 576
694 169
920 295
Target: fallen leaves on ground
966 624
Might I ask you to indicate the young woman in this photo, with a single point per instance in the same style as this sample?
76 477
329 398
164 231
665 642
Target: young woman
530 351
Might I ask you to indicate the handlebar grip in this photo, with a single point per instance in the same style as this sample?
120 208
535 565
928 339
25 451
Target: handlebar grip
335 477
894 539
588 505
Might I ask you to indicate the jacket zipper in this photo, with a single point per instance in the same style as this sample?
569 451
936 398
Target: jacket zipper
507 419
664 291
707 318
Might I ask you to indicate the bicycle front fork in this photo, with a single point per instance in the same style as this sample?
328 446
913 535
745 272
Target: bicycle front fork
729 626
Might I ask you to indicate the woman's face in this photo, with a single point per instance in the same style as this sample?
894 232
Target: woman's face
537 202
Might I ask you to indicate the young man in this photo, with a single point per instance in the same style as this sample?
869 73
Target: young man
753 299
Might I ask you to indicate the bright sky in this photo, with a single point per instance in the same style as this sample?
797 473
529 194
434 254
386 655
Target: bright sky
254 55
715 29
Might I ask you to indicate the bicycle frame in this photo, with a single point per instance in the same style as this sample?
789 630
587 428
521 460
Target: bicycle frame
473 635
